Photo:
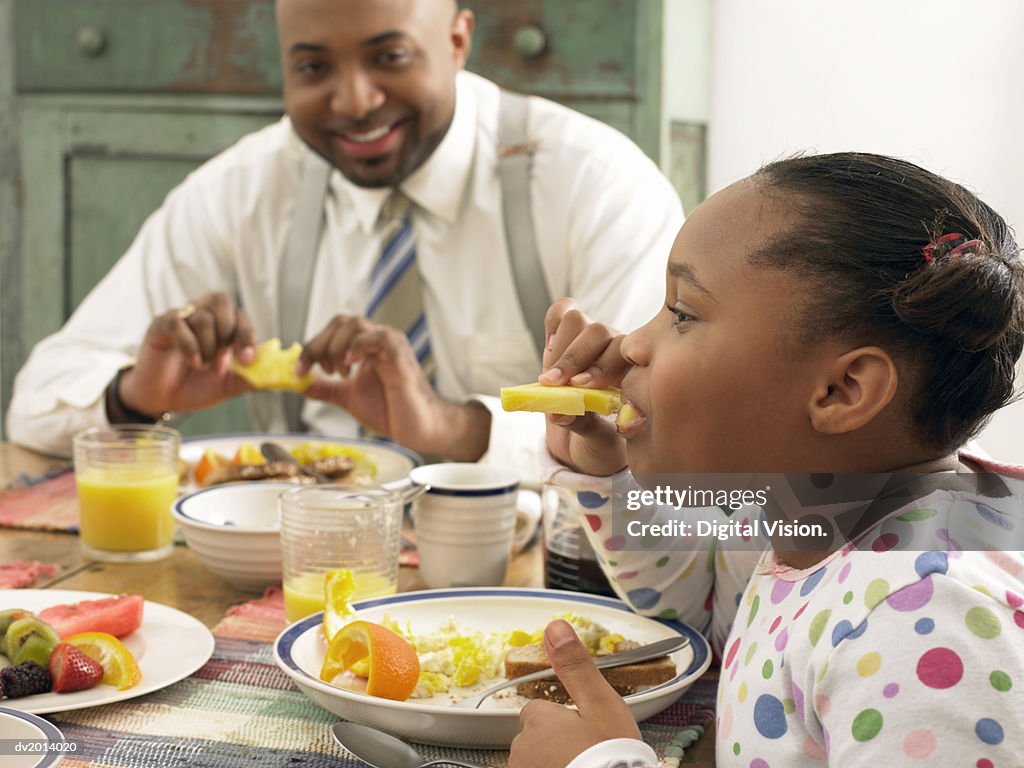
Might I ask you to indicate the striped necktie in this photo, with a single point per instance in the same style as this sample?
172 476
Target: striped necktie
396 291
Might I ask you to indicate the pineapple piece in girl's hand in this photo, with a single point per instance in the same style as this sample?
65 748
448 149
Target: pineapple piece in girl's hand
274 368
571 401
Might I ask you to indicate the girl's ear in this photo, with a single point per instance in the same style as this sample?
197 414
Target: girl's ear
853 391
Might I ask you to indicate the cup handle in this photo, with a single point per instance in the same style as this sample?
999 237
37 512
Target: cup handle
528 514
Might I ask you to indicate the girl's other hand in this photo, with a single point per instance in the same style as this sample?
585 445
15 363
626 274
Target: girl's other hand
584 354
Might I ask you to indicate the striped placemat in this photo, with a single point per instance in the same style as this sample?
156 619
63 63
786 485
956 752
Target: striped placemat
241 710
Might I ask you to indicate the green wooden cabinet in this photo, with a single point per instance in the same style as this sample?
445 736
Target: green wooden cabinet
117 100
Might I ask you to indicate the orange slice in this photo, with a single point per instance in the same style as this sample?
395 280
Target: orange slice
210 461
339 586
120 668
385 658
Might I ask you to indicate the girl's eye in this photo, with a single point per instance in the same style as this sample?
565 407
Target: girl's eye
681 316
310 67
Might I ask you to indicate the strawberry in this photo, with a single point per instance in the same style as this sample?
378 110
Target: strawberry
72 670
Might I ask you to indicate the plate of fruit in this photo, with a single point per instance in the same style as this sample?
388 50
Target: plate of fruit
233 458
62 650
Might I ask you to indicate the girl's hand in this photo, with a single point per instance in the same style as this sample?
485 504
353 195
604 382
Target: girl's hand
550 735
584 354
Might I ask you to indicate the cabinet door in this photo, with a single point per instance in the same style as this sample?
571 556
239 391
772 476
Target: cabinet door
93 171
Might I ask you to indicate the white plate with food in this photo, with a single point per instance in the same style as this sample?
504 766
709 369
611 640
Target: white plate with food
42 745
300 649
169 645
373 461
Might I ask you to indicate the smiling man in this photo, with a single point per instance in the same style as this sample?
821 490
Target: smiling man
398 262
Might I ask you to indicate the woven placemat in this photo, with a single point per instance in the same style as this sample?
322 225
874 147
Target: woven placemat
240 709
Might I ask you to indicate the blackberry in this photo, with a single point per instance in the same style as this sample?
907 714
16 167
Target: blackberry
24 679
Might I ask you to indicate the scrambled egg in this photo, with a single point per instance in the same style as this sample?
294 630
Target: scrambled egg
456 657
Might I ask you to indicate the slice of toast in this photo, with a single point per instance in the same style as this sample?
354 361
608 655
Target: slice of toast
625 680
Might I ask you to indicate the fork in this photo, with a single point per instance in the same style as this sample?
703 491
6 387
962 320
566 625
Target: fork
632 656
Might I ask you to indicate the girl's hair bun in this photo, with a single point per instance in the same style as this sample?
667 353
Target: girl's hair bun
964 292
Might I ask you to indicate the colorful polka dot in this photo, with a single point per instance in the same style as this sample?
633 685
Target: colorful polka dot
891 690
615 543
912 597
885 542
767 669
924 626
757 762
813 749
590 499
1013 599
735 747
915 515
1000 681
983 623
732 652
798 700
799 613
866 725
811 582
781 590
984 763
876 592
844 572
940 668
662 562
750 653
670 614
869 664
781 640
848 598
725 724
775 624
919 743
594 521
818 625
844 630
822 704
753 609
769 717
931 562
996 518
989 731
644 598
1018 618
741 695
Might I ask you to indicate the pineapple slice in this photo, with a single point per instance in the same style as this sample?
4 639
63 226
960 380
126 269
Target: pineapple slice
571 401
274 368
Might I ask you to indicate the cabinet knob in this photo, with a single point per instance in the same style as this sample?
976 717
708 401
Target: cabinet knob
90 41
530 41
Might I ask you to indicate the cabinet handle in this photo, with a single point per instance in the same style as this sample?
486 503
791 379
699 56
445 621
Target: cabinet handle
90 41
530 41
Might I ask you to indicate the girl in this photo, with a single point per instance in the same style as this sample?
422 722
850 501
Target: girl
845 313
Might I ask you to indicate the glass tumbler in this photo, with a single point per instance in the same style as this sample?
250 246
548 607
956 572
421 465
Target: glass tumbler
330 527
127 480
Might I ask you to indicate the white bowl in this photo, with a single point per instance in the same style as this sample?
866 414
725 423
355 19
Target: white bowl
235 531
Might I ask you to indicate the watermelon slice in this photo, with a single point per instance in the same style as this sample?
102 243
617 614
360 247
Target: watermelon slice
118 616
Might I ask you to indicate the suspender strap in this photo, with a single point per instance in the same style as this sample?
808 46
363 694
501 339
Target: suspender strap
515 156
295 277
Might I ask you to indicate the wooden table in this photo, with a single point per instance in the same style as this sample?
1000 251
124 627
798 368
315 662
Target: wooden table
182 581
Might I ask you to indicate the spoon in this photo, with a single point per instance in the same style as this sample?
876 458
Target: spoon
633 656
275 452
382 750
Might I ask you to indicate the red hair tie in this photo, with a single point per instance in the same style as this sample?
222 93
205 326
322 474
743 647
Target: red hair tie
929 250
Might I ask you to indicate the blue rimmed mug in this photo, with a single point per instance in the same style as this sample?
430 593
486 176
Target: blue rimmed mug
465 523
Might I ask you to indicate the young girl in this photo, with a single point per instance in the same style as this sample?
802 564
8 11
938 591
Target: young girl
845 313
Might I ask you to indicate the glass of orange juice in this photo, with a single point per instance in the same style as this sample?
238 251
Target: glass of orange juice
127 479
327 527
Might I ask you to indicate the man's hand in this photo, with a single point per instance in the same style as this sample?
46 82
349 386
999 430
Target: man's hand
384 389
551 735
184 363
582 353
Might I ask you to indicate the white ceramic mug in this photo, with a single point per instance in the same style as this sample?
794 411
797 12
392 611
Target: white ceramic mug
464 523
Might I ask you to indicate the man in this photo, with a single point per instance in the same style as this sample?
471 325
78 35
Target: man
374 87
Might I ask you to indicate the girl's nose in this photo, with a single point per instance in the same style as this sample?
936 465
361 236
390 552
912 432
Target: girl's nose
636 347
356 95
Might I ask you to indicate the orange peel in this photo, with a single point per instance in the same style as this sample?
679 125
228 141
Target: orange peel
386 659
